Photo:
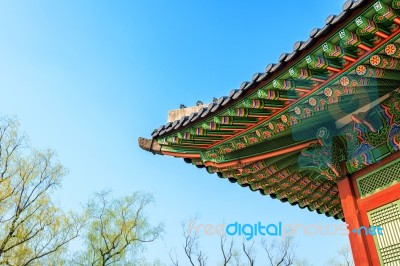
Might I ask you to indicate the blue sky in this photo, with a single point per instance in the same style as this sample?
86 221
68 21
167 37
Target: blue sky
87 78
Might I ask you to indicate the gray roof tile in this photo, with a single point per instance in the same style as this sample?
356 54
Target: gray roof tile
206 112
237 94
271 68
256 76
262 77
307 43
276 66
314 32
282 57
291 56
347 5
243 85
233 92
227 100
330 19
323 31
297 45
341 16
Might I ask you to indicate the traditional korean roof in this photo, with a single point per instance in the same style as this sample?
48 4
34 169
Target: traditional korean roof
288 132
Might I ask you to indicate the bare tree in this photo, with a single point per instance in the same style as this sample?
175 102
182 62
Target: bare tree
236 258
302 262
191 246
227 254
116 228
280 253
249 251
344 258
32 227
174 259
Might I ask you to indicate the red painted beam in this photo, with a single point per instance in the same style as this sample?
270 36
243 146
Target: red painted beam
263 156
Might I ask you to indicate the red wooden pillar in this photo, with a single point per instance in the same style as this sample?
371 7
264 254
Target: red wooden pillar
358 243
356 209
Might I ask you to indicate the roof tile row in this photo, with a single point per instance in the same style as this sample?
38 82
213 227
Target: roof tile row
259 77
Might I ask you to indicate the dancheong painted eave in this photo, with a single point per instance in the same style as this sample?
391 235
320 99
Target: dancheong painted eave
328 109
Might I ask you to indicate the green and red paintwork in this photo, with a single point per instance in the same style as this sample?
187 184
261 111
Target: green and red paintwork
309 131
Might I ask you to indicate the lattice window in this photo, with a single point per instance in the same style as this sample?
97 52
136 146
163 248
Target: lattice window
388 244
379 179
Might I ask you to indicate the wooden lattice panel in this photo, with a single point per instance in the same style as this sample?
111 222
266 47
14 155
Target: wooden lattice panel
379 179
388 244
